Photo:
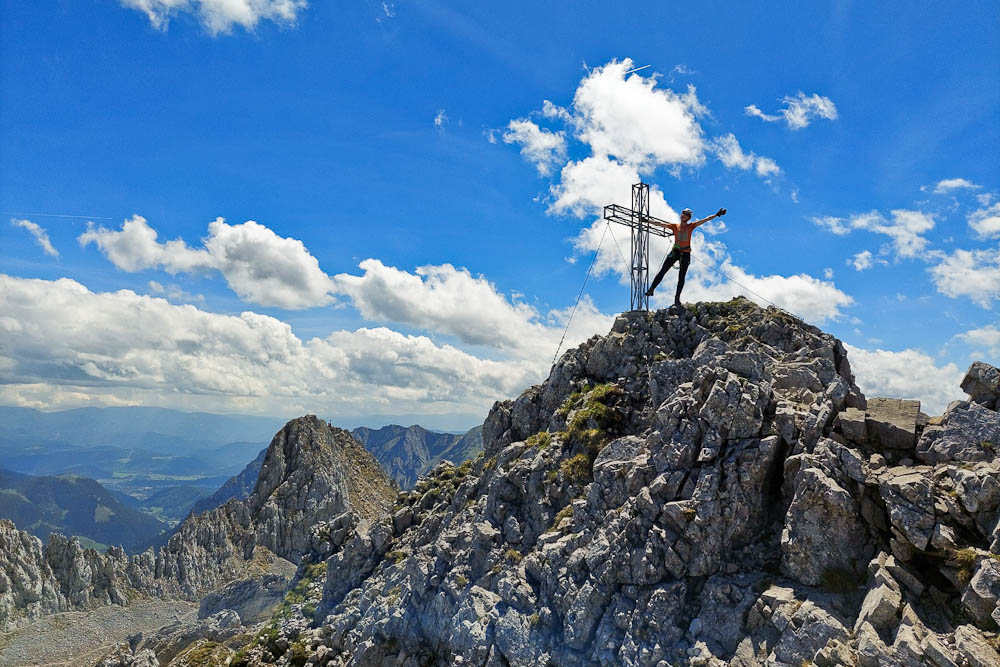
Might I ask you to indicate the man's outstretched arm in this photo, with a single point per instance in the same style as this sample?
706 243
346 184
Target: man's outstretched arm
721 212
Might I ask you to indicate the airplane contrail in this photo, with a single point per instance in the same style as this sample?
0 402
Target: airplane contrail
637 69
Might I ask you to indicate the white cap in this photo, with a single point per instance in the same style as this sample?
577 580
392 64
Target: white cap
688 211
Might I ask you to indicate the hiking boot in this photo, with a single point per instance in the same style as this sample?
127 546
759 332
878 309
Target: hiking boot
649 292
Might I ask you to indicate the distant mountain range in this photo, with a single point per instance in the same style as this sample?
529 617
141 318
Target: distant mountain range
134 450
406 453
149 468
153 429
239 487
74 505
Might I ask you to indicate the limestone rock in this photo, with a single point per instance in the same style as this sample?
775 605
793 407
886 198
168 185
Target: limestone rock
313 476
982 384
982 596
851 423
892 422
124 657
250 598
880 608
27 586
823 530
968 432
974 648
693 488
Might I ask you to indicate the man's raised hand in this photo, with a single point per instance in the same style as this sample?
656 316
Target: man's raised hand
721 213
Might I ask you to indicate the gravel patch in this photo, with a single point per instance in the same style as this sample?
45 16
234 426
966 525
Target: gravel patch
82 638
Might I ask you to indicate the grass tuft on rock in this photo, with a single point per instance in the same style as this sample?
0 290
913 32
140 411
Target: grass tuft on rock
542 439
577 469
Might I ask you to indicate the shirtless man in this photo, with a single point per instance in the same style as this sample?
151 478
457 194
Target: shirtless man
681 250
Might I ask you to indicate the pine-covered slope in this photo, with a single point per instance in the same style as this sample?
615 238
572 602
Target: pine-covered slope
73 505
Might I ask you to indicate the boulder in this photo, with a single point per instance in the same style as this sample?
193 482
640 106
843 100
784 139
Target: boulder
250 598
880 608
851 423
974 648
982 384
967 432
892 422
982 595
823 530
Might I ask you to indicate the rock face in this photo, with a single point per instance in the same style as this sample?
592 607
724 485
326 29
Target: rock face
705 488
310 473
27 587
313 472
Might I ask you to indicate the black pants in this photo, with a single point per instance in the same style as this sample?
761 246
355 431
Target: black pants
674 255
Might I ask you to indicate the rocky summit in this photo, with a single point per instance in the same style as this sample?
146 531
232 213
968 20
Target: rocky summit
707 487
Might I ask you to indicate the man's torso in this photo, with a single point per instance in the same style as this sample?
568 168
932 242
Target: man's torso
682 236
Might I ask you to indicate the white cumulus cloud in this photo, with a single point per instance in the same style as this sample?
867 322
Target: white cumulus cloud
220 16
986 221
587 185
37 231
950 184
814 300
260 266
909 374
862 260
629 118
971 273
986 339
727 148
798 111
59 341
447 300
542 148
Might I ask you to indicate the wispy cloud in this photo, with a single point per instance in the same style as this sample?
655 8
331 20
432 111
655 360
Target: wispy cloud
440 119
952 184
986 338
798 111
985 222
543 148
727 148
41 236
220 16
904 227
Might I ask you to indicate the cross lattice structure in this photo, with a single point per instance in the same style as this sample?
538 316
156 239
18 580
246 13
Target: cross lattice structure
638 220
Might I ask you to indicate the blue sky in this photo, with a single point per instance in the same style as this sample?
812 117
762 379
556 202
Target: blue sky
425 180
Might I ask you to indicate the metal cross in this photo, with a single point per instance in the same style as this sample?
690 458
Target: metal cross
637 219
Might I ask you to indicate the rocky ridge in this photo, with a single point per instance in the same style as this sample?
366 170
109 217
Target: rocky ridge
704 488
312 475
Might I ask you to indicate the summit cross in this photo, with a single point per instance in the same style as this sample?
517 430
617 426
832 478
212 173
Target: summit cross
637 219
